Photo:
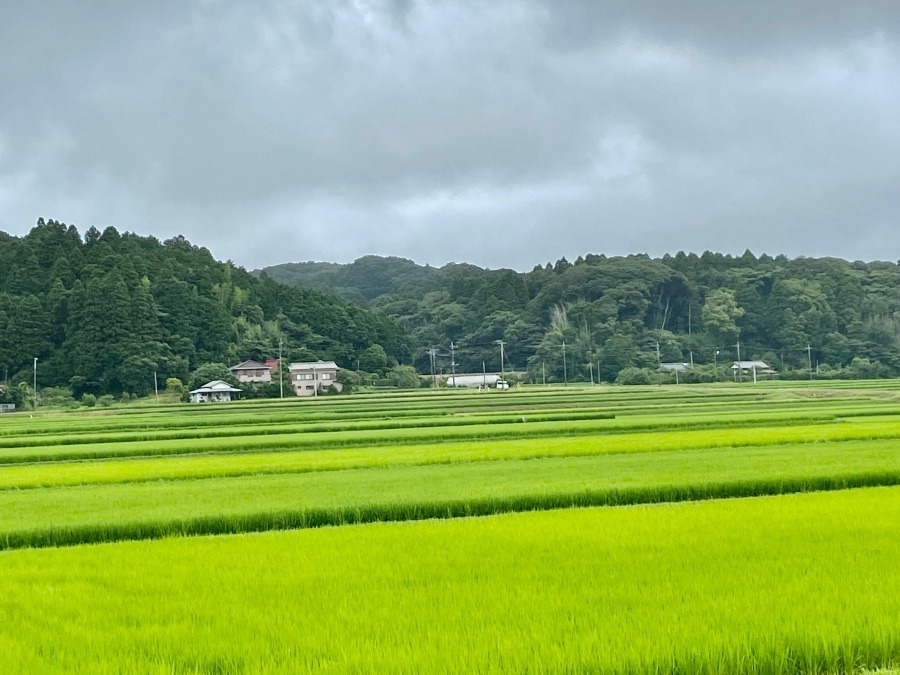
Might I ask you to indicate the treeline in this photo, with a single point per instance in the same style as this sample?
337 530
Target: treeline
619 317
103 313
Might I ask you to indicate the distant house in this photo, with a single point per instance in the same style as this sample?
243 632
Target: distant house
675 367
474 380
215 392
753 368
253 371
309 378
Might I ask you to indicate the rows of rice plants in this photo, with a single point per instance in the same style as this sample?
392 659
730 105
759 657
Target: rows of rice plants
626 588
514 426
803 583
106 512
368 408
289 460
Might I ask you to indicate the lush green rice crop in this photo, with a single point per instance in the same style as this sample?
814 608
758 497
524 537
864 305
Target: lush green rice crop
72 515
46 474
323 437
804 583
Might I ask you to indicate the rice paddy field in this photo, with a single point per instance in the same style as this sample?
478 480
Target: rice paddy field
683 529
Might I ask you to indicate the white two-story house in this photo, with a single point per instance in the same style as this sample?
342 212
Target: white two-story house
310 378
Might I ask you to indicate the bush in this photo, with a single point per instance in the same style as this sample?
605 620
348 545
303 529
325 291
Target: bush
88 400
174 385
632 375
349 379
405 377
106 400
264 390
56 397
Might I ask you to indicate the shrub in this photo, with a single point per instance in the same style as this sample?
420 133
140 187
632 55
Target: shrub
57 397
405 377
106 400
632 375
349 379
174 385
88 400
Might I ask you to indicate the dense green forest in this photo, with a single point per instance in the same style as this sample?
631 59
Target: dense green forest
104 312
620 316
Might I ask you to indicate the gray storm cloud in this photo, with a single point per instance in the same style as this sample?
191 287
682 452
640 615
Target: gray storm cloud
504 134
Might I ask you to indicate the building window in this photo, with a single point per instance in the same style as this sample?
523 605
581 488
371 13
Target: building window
326 376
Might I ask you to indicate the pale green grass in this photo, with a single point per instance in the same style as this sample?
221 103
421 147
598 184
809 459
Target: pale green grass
804 583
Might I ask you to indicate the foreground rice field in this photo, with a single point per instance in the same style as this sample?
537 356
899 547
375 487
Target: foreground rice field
804 582
768 585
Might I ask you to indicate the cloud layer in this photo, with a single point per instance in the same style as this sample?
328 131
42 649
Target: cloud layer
503 134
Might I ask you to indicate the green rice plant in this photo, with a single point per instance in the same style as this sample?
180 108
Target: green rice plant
659 401
326 436
792 584
851 436
93 513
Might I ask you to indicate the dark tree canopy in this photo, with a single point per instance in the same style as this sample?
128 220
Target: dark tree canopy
105 312
612 312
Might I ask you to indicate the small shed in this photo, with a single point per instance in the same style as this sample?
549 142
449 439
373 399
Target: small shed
754 368
216 391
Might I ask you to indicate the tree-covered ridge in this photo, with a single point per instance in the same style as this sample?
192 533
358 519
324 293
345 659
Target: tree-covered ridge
631 312
103 312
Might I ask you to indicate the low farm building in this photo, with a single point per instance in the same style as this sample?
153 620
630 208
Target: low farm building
216 391
474 380
753 368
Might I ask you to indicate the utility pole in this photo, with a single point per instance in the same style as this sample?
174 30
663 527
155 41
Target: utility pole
433 353
34 388
565 367
281 368
502 344
740 370
809 356
543 373
716 365
591 365
453 347
156 387
658 360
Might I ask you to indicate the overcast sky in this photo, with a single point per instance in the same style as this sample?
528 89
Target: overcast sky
503 133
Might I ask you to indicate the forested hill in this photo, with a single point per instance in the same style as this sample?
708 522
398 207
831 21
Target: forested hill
611 313
103 312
